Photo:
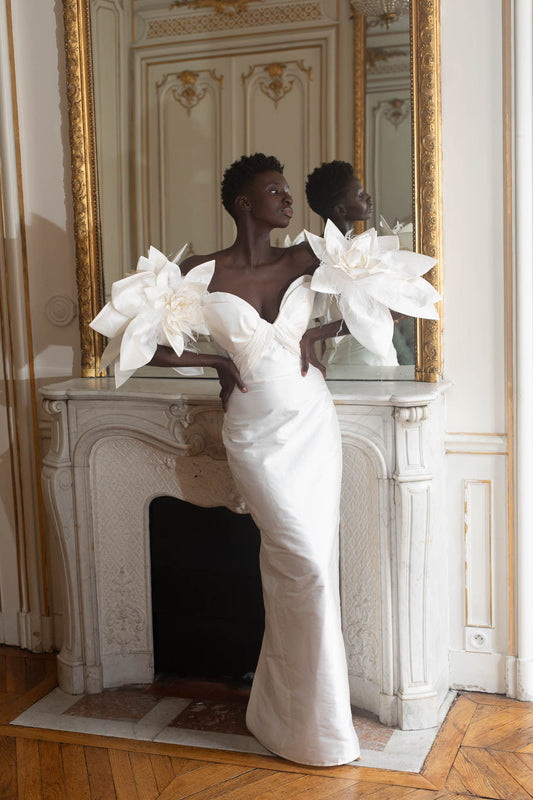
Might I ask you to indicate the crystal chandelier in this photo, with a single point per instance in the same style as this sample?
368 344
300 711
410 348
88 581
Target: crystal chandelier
385 10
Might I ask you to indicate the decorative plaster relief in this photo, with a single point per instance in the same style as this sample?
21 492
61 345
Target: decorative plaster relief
360 565
58 452
120 509
60 310
181 25
394 111
187 87
197 429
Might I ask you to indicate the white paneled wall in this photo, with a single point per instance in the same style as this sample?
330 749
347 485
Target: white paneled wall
478 560
474 341
200 104
111 35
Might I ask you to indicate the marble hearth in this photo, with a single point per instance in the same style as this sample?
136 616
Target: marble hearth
113 451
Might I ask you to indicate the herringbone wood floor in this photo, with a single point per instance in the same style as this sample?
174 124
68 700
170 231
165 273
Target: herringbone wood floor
484 750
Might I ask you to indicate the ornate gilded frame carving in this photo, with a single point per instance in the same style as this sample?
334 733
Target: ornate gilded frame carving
425 35
426 161
84 175
359 100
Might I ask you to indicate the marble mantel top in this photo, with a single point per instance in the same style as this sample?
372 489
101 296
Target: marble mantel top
372 393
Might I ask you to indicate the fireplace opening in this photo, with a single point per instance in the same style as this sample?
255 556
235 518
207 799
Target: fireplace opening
207 602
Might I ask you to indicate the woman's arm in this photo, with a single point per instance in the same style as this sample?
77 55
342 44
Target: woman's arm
228 374
307 343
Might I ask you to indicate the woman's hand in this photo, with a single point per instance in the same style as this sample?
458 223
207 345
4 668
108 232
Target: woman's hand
307 349
229 377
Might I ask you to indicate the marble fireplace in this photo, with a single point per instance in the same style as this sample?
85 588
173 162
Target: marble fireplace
113 451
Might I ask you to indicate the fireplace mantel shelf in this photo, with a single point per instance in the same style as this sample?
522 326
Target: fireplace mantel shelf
379 393
114 450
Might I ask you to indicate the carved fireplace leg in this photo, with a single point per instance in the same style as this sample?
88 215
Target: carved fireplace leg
418 700
58 498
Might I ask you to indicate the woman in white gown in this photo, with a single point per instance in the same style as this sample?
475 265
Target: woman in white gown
283 444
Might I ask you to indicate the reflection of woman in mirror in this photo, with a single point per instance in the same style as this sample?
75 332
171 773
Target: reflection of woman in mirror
334 192
283 444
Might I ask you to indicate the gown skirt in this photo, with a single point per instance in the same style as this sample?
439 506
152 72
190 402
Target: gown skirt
283 445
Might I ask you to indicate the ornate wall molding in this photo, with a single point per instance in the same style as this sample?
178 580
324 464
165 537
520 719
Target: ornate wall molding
219 6
279 82
188 88
385 54
60 310
278 86
283 14
394 111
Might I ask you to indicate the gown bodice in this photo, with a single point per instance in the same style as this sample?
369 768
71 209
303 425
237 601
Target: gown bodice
261 349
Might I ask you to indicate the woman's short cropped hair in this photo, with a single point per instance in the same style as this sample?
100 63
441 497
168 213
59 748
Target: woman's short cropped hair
326 184
240 175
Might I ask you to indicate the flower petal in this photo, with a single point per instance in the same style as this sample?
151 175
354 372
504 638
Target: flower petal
168 274
175 340
122 375
111 352
157 259
317 244
201 274
139 341
330 280
144 265
414 297
127 295
408 264
369 321
177 257
336 243
109 322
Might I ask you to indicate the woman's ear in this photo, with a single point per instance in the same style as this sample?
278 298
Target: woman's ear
242 203
338 211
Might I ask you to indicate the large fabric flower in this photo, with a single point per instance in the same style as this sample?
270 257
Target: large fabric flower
369 275
155 305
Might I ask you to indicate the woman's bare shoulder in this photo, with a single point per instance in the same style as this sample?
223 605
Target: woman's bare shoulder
303 258
195 261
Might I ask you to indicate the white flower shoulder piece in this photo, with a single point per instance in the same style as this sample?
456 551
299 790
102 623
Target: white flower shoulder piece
155 305
288 242
369 275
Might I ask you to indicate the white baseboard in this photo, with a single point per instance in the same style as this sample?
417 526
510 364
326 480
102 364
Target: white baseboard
478 672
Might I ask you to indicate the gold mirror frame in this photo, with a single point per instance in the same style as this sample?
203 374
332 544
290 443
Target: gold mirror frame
426 149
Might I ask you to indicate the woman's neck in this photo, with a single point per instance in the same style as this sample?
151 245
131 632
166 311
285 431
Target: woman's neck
342 224
252 246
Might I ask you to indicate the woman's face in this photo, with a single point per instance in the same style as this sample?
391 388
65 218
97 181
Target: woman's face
357 203
270 199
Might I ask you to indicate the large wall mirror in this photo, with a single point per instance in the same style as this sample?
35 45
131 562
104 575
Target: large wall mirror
164 95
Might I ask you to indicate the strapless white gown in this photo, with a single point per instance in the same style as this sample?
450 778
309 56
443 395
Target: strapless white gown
283 444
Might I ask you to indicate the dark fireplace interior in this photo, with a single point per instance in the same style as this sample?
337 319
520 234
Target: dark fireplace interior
207 603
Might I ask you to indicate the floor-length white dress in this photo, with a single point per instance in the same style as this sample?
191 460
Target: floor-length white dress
283 445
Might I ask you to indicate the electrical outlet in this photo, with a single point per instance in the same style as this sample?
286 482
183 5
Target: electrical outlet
478 640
